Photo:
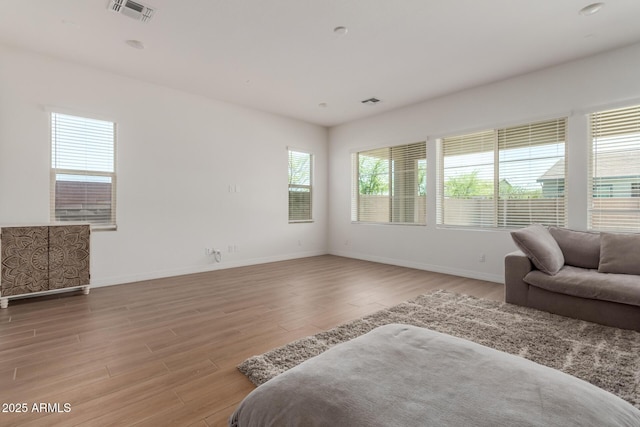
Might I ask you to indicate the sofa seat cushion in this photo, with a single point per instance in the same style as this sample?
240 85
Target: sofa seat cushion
584 283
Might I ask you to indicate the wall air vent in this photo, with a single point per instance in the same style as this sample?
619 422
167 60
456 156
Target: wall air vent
131 9
370 101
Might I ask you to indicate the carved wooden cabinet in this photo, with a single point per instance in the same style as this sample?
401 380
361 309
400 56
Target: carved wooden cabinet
39 259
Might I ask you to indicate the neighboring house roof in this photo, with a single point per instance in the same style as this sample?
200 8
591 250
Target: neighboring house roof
610 164
555 172
70 194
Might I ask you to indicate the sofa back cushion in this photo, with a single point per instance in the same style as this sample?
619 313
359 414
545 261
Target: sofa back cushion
540 246
619 253
579 248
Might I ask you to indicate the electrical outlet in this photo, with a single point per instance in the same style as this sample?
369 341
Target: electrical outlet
482 258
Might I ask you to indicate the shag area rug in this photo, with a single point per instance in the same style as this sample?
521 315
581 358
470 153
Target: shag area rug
606 357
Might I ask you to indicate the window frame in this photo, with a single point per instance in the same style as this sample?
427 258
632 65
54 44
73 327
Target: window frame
112 224
300 186
356 213
497 198
595 182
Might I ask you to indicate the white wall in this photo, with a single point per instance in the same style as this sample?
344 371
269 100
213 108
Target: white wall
177 154
573 89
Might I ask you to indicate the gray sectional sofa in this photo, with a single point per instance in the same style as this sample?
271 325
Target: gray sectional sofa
589 276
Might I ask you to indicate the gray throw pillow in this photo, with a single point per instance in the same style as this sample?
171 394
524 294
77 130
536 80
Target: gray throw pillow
540 246
579 248
619 253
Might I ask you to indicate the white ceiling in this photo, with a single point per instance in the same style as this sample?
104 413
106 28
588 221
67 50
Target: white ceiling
282 56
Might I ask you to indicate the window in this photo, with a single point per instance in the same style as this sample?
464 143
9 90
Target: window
300 193
509 177
615 170
389 185
83 179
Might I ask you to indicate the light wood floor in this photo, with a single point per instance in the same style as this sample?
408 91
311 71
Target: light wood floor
164 352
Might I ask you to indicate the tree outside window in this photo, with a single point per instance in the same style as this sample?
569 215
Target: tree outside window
390 185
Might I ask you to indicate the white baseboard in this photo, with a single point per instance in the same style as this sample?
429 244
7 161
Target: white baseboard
119 280
422 266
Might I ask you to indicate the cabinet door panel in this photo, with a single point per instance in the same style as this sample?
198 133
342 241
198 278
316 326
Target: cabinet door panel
25 260
68 256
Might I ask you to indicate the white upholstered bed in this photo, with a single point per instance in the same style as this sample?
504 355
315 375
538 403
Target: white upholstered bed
399 375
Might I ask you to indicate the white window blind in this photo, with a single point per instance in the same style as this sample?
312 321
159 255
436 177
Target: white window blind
531 186
83 179
389 185
300 190
508 177
614 177
467 180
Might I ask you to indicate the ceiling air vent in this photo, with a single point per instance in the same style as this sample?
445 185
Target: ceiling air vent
370 101
131 9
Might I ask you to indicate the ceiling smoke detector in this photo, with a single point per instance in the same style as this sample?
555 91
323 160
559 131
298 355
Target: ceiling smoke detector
370 101
131 9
